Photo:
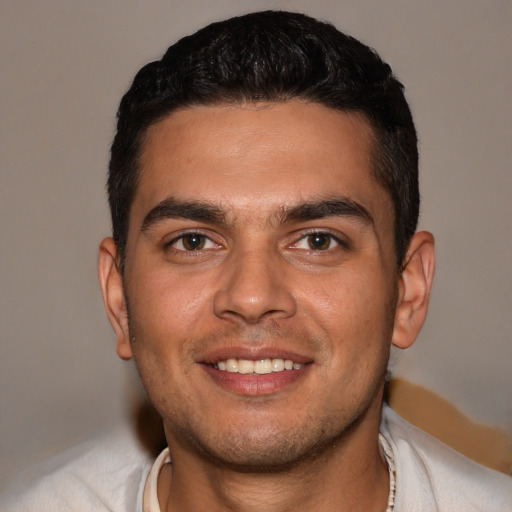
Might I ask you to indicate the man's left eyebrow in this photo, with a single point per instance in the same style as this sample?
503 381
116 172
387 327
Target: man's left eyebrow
335 207
172 208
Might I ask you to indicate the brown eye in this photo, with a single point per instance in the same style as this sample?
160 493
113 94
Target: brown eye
193 242
319 241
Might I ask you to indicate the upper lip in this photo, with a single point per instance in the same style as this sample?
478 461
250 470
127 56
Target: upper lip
252 353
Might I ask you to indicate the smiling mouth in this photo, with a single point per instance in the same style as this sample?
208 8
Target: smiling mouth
258 367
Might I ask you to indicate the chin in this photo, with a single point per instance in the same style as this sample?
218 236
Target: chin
267 450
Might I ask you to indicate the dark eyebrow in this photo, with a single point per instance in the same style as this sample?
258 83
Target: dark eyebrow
335 207
172 208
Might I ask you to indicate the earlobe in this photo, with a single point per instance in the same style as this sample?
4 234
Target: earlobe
112 290
414 289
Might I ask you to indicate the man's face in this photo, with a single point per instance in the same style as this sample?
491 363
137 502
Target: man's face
259 233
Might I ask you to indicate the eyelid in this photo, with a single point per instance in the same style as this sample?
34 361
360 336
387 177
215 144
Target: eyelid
338 238
176 237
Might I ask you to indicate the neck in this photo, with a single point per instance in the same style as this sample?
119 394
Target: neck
349 475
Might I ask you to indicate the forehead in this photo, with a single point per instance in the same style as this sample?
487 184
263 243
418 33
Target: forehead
258 158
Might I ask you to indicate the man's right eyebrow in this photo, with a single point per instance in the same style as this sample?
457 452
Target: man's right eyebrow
172 208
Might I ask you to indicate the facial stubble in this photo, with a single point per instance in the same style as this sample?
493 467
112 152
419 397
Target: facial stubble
262 448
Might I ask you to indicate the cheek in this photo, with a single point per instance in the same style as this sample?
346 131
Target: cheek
355 310
164 306
162 320
166 313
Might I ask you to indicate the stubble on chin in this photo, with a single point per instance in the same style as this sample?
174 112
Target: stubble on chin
262 448
270 448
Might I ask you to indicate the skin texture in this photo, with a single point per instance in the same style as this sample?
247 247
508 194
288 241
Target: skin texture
296 261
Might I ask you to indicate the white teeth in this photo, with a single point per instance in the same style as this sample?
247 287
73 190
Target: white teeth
245 366
232 366
260 367
263 366
277 365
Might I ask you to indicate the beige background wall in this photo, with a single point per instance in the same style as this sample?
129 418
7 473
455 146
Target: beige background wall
65 65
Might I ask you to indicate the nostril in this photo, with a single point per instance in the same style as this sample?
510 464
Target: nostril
252 308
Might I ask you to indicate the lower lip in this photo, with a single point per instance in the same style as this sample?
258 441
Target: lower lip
256 385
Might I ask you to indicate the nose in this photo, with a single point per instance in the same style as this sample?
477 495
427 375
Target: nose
254 288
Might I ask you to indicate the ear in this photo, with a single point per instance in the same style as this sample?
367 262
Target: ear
414 289
112 289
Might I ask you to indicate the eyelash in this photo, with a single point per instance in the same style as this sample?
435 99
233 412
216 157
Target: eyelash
170 245
332 238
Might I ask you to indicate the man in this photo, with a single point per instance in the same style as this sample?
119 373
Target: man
264 196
